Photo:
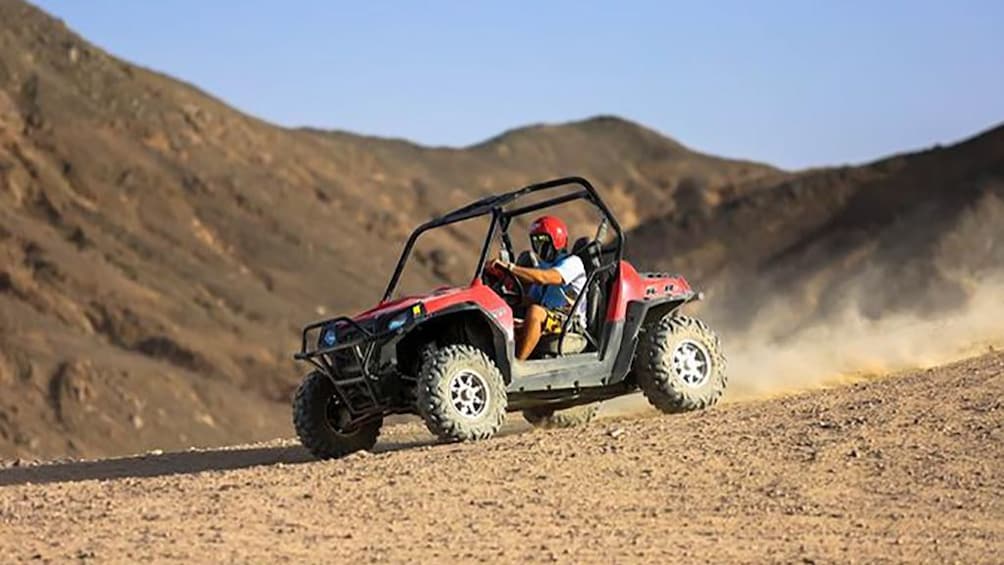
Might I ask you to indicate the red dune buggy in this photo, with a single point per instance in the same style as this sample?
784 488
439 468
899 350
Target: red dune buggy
448 355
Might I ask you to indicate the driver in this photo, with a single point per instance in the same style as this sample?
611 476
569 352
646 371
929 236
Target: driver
556 282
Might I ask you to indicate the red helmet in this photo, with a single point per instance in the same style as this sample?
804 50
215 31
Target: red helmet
554 229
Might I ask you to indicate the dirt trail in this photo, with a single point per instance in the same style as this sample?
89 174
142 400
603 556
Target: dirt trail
904 468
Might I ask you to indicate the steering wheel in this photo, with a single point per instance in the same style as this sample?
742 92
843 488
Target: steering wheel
506 285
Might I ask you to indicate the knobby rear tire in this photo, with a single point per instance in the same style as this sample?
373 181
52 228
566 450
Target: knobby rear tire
661 384
567 418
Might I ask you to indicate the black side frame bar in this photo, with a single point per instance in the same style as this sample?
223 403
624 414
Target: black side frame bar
578 299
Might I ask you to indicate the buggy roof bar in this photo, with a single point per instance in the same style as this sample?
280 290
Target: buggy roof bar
494 205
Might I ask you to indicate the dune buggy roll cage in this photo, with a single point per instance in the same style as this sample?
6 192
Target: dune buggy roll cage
495 205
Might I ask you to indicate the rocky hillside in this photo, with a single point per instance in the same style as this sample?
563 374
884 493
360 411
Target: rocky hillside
160 250
916 233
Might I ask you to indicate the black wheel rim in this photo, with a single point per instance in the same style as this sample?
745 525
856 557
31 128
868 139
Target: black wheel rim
338 418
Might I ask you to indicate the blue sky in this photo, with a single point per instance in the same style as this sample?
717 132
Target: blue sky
793 83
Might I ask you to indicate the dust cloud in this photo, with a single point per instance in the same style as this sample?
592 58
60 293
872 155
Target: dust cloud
851 347
847 348
919 299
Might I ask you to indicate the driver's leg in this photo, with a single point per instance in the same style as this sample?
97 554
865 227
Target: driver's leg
533 327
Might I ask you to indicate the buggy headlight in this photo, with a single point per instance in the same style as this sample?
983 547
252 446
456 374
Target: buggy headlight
405 317
329 336
399 320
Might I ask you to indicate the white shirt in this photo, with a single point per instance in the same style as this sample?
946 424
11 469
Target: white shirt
561 297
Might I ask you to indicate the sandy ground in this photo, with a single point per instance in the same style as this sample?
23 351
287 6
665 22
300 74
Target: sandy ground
905 468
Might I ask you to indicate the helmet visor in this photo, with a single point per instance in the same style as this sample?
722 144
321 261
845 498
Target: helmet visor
541 244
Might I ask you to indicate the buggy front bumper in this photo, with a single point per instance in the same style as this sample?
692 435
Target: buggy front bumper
355 358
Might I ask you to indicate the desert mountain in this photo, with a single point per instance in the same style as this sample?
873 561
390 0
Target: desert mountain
159 250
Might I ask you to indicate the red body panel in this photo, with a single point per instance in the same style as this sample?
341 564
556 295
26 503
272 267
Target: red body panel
631 286
443 298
